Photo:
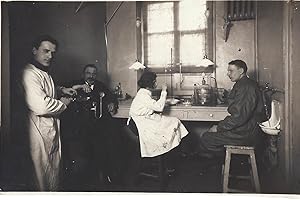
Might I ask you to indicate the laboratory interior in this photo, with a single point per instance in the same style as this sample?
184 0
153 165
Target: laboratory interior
150 96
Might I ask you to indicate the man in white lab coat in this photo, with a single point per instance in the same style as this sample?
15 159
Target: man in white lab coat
43 111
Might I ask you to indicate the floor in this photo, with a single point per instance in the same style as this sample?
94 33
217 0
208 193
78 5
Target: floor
200 175
193 174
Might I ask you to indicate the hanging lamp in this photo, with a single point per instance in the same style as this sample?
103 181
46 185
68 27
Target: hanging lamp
137 65
205 62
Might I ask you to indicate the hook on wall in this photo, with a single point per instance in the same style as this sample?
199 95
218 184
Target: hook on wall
226 27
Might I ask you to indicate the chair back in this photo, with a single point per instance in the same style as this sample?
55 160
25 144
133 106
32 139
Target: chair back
132 126
131 133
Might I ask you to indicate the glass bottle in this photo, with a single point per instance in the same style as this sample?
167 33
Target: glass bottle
120 92
195 94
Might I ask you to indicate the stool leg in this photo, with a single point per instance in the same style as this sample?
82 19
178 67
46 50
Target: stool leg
254 172
226 170
222 174
250 170
162 172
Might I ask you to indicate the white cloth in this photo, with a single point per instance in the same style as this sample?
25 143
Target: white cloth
158 134
44 136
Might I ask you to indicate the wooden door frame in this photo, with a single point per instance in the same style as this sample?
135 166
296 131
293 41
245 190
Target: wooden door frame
288 131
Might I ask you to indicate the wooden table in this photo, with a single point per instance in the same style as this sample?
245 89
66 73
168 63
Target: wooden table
182 112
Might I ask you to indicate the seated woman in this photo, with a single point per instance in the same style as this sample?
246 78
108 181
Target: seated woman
158 134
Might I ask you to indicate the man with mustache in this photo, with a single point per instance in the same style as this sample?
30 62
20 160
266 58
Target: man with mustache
43 110
91 139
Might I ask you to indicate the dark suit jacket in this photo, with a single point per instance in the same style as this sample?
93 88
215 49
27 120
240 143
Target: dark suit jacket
85 137
94 97
240 127
78 119
245 108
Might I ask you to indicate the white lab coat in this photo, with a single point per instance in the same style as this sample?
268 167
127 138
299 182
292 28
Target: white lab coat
158 134
44 135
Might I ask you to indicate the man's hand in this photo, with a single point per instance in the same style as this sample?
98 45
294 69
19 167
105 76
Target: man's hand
84 87
66 100
68 91
111 108
213 129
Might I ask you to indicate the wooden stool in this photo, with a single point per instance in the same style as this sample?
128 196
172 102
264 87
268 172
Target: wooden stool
242 150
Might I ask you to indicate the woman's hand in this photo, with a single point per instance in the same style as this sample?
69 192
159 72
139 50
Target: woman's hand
164 87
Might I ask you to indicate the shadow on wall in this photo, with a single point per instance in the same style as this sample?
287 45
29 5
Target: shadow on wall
252 75
17 169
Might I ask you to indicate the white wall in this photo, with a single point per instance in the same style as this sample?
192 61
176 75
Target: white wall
240 45
122 45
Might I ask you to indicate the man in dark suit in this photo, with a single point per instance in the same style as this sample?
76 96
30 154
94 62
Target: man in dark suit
246 111
89 90
90 135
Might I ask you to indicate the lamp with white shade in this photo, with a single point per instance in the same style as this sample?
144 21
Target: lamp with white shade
205 62
137 65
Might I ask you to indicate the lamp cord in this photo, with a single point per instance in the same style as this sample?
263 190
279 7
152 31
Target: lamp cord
115 11
206 24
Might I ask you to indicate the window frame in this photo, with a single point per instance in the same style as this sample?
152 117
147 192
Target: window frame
176 69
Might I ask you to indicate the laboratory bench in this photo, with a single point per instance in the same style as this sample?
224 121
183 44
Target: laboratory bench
182 112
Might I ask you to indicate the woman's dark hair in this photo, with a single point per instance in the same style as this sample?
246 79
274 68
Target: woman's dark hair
147 80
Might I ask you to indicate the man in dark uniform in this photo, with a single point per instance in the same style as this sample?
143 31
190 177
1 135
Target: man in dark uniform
245 109
90 136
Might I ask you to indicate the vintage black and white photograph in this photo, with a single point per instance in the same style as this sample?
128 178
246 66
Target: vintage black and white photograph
187 96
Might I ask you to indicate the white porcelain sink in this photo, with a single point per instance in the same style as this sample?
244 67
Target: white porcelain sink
272 126
269 128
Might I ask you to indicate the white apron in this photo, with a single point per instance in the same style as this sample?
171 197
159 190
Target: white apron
158 134
44 136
